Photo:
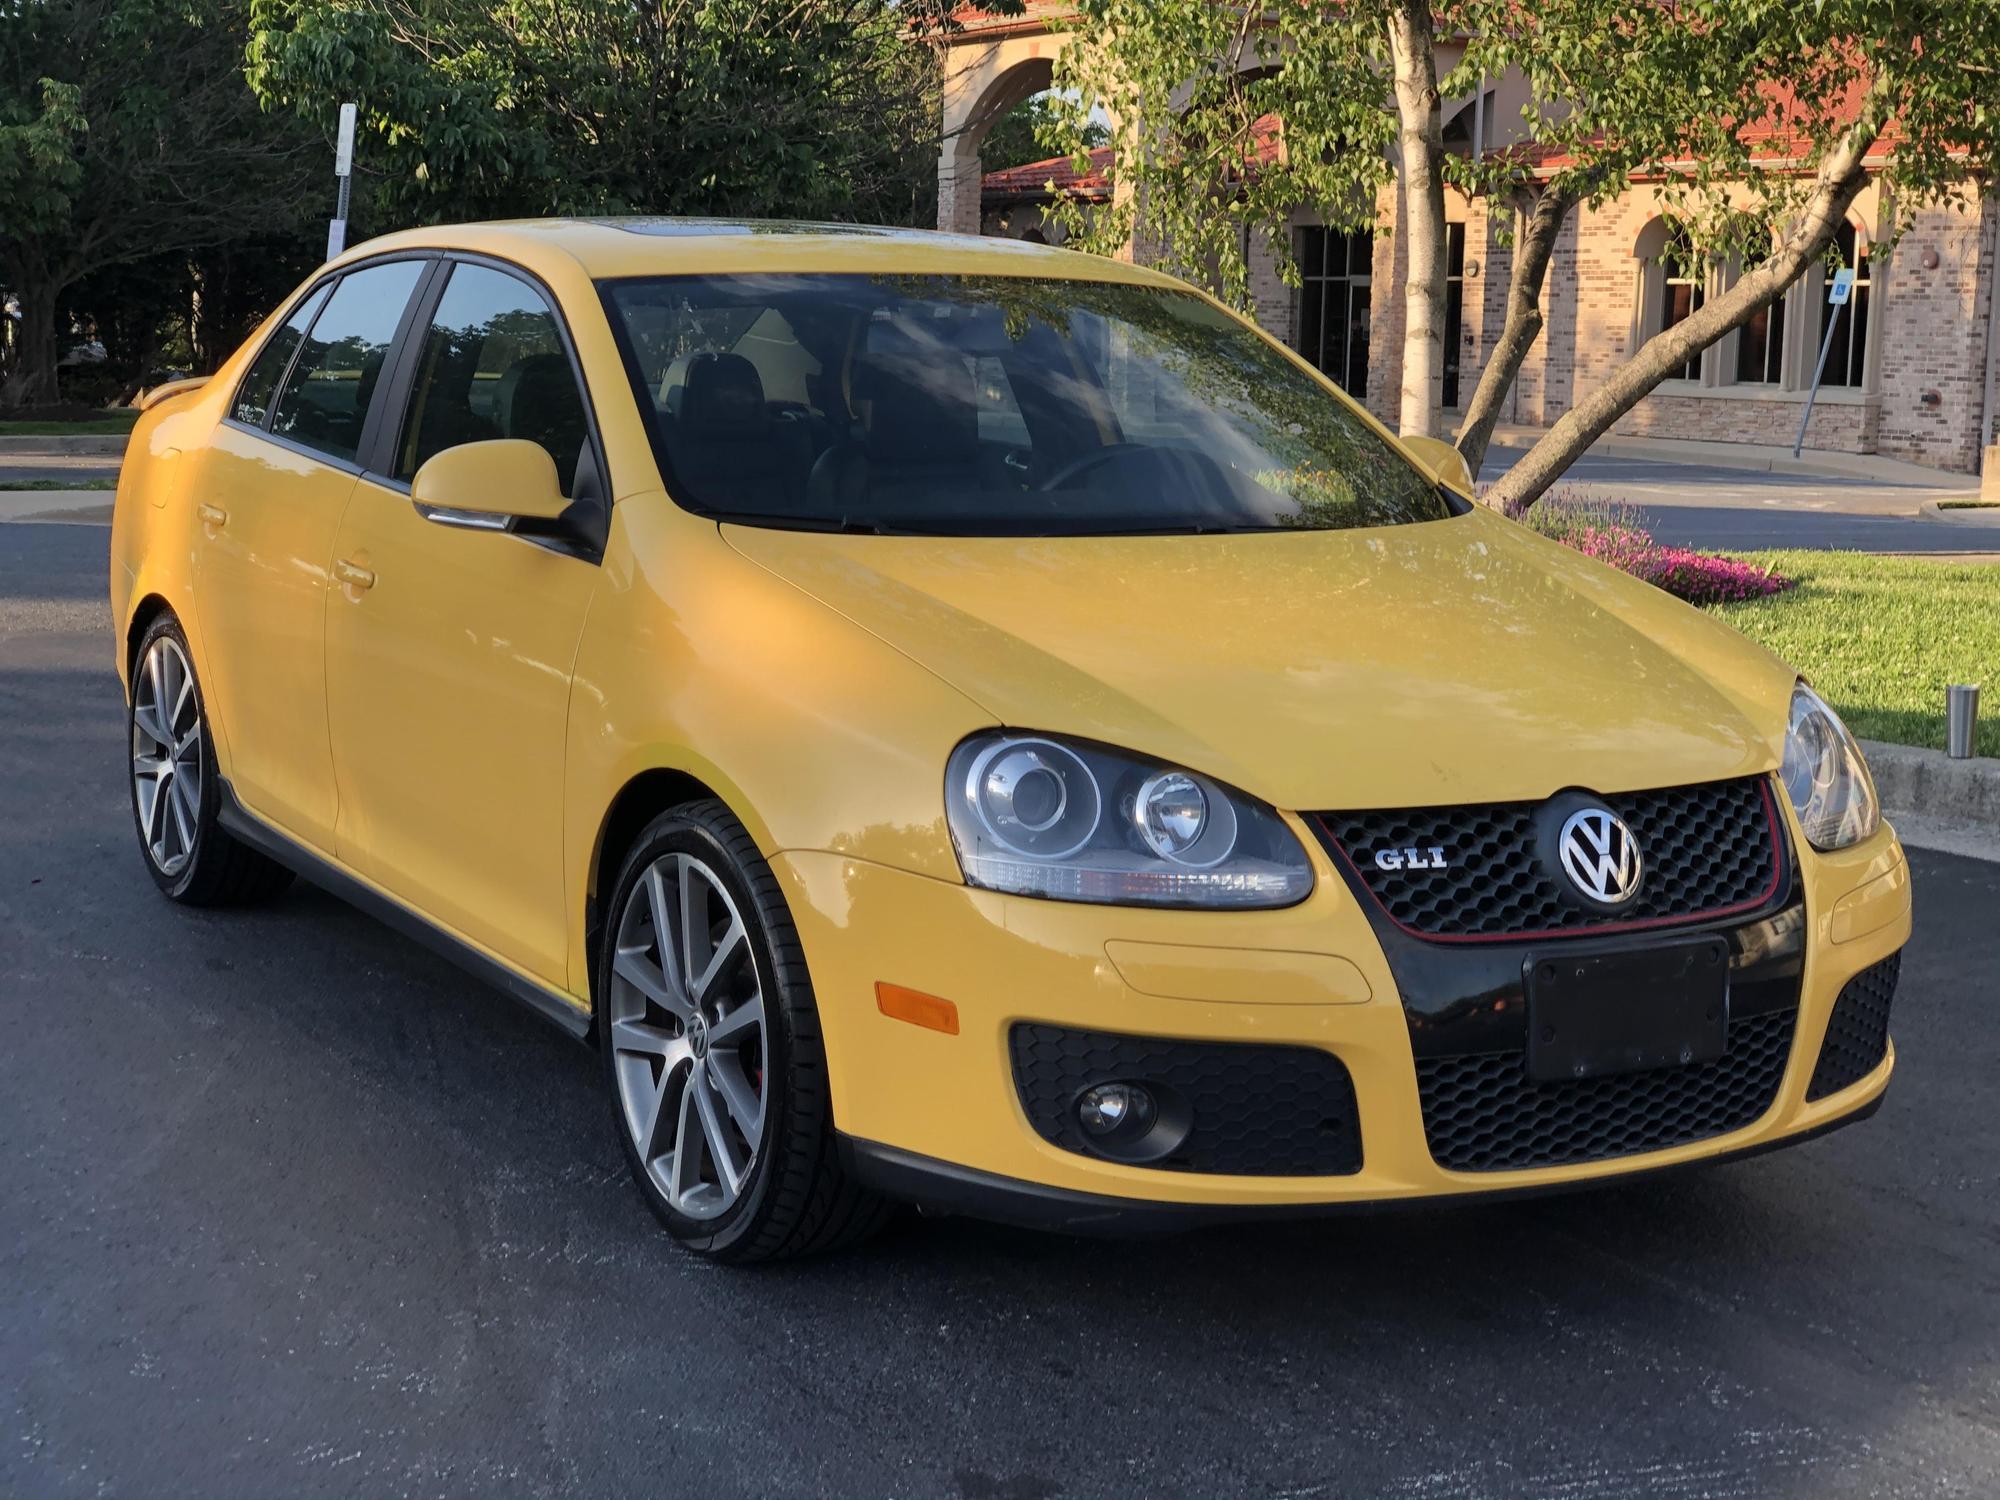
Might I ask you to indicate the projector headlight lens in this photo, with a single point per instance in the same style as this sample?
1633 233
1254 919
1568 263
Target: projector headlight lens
1038 816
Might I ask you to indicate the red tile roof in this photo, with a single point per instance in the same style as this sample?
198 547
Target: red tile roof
1058 177
1037 178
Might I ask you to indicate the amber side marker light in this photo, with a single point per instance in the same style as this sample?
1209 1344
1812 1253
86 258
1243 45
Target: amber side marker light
916 1007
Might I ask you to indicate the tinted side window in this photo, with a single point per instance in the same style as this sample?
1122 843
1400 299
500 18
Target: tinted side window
253 397
493 366
326 400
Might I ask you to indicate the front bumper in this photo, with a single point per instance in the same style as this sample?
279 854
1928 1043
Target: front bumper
938 1118
942 1187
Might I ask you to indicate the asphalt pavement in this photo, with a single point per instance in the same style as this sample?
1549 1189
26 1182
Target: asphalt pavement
290 1207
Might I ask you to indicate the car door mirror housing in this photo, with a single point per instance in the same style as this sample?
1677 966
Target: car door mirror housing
504 477
1442 460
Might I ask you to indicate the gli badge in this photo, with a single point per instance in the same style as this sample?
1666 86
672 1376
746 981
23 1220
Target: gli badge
1431 858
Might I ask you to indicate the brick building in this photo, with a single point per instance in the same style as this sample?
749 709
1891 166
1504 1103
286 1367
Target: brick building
1911 372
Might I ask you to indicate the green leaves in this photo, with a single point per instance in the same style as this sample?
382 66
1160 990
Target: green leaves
1723 106
490 108
128 139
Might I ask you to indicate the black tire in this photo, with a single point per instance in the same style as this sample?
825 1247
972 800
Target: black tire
796 1199
218 870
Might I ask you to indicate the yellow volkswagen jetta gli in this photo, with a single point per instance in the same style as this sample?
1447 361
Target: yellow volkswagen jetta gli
965 723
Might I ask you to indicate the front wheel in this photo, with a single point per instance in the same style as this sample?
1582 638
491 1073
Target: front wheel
176 790
711 1049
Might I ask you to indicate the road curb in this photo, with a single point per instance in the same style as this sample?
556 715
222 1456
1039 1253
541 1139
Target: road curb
1986 518
1931 786
112 443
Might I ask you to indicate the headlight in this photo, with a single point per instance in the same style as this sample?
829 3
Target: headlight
1077 822
1825 776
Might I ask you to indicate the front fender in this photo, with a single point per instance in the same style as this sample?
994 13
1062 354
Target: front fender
817 734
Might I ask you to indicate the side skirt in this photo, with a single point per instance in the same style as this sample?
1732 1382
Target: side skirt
558 1010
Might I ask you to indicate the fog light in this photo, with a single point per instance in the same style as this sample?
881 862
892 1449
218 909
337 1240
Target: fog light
1116 1109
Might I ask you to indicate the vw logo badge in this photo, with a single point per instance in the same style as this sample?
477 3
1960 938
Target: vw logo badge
1600 856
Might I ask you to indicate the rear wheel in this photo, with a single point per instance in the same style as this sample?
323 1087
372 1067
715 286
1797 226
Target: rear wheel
712 1051
175 789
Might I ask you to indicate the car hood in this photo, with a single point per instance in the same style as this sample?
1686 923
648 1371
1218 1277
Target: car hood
1449 661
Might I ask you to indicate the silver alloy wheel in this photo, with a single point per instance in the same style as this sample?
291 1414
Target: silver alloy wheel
166 755
686 1011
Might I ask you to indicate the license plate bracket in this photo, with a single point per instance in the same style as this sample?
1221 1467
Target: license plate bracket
1593 1014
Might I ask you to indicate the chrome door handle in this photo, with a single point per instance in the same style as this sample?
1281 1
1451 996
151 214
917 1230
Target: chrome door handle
353 575
212 515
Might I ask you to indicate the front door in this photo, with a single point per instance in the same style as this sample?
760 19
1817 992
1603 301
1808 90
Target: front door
269 496
450 648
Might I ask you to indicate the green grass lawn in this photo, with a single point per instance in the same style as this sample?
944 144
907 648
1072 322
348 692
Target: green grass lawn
1880 637
108 424
58 484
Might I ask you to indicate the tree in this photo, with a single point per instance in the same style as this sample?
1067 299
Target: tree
1752 118
126 133
484 108
1016 137
1797 107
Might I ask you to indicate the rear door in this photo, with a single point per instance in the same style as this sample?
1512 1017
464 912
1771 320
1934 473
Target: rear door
448 674
270 492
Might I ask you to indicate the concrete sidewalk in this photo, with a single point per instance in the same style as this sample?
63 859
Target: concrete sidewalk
88 507
1731 496
1869 469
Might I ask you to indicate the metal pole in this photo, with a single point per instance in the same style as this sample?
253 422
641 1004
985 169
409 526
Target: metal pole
343 167
1812 395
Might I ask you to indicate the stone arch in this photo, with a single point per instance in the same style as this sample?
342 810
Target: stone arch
990 68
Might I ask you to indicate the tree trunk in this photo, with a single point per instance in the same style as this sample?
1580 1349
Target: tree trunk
1421 179
1533 246
1837 183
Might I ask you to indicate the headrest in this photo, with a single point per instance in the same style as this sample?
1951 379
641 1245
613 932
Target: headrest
539 401
724 396
923 408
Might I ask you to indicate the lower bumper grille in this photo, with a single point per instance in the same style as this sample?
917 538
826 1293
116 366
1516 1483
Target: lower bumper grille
1857 1033
1483 1113
1254 1111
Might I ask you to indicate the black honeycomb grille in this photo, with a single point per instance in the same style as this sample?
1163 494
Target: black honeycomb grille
1483 1113
1707 849
1857 1033
1256 1111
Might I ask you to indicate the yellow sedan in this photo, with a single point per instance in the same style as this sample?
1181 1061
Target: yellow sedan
963 723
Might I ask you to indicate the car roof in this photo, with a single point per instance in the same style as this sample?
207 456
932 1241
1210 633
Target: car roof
607 248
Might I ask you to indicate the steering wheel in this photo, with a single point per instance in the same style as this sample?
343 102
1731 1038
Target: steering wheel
1096 458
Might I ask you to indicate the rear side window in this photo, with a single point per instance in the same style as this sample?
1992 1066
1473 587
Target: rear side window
493 366
326 400
253 397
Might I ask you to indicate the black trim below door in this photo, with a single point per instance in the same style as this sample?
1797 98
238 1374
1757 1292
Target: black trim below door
557 1009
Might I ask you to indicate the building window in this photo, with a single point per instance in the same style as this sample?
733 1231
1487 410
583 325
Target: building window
1454 308
1681 291
1336 271
1760 343
1847 357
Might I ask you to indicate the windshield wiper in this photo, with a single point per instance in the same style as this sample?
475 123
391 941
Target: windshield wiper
848 525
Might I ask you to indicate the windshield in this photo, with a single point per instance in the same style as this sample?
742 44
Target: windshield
993 406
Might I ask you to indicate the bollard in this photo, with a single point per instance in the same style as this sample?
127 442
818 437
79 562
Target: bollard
1961 718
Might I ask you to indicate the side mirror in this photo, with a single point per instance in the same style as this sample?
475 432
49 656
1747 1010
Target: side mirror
1443 460
490 482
